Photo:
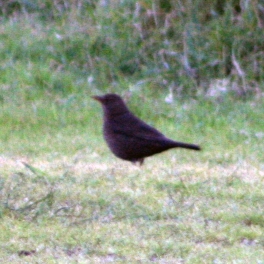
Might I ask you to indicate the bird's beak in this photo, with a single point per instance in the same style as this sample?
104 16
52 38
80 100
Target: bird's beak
98 98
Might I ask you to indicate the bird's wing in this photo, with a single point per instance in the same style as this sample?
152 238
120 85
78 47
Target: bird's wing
131 126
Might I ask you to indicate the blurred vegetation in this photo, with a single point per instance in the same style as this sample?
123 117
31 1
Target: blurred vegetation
185 45
64 198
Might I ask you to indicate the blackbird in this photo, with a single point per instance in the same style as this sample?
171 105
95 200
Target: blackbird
128 137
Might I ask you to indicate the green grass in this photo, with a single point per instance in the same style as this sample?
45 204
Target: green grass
64 197
177 44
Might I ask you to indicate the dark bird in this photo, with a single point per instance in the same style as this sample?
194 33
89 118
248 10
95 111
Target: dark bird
130 138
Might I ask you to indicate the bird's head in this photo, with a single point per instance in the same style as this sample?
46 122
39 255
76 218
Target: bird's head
112 104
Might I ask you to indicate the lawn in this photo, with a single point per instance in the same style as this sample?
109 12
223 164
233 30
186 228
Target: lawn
66 198
194 73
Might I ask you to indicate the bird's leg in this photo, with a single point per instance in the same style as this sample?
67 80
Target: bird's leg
140 161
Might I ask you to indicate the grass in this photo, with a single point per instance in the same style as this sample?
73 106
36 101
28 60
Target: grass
177 44
64 198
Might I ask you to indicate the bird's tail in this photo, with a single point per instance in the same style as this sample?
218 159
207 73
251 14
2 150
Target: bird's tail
186 145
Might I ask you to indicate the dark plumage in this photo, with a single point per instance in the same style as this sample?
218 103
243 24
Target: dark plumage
130 138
